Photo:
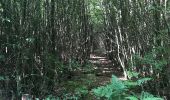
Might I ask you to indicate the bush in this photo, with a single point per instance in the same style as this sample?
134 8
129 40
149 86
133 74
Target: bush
118 90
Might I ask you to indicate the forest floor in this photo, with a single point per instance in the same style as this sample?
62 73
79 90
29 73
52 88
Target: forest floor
100 75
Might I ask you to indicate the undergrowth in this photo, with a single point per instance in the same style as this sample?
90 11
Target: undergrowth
119 90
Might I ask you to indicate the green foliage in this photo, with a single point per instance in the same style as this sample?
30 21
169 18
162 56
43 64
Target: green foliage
121 90
150 66
130 84
132 98
88 67
148 96
152 58
104 91
78 87
82 90
64 97
50 97
143 80
96 11
4 78
136 80
144 96
33 33
74 65
2 57
112 90
70 97
117 85
132 74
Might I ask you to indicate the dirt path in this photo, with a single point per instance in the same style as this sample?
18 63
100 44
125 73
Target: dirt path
105 68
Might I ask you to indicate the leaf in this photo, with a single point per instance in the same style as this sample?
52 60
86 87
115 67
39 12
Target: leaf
2 57
117 84
132 98
132 74
148 96
153 98
82 90
4 78
116 88
143 80
130 83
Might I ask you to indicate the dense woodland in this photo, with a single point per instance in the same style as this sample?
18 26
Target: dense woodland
48 47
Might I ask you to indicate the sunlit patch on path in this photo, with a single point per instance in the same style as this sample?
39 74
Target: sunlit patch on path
104 66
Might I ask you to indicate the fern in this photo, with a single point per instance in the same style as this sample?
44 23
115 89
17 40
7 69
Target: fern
143 96
132 98
116 88
132 74
148 96
139 82
103 91
117 84
143 80
151 58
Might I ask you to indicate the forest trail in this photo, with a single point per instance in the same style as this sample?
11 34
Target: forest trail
105 67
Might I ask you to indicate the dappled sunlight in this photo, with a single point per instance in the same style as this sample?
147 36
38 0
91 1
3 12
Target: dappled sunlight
104 66
63 49
92 56
122 78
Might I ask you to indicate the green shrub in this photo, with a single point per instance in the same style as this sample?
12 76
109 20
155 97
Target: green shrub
113 90
144 96
118 90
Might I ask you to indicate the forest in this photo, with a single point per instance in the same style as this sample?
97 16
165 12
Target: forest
84 49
